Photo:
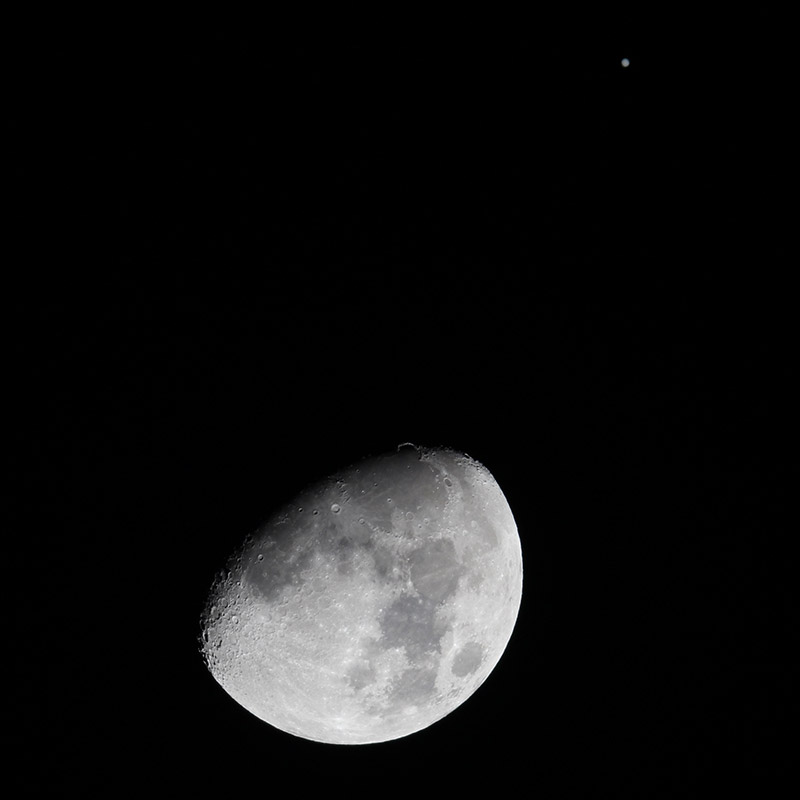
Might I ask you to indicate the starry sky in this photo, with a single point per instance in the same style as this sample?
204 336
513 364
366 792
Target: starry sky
241 264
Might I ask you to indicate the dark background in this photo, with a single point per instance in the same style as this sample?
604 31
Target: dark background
240 262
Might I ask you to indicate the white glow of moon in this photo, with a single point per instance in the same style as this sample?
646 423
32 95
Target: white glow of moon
625 62
374 604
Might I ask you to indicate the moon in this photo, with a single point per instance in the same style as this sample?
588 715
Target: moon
374 604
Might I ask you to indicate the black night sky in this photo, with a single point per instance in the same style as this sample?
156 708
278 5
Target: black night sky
241 262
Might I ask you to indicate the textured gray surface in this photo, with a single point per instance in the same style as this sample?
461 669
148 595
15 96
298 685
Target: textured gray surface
374 604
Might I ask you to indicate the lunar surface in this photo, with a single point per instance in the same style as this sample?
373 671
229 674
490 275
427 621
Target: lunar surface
374 604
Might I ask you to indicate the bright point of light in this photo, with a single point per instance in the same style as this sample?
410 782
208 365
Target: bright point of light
625 62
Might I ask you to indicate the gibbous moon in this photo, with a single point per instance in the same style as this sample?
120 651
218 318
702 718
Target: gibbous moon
374 604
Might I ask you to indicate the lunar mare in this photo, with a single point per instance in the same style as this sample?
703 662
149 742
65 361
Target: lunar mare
374 604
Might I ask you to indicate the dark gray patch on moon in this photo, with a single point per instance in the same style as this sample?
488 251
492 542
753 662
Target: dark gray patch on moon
417 484
467 659
435 569
400 480
411 623
384 562
361 675
352 533
413 686
340 542
279 568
